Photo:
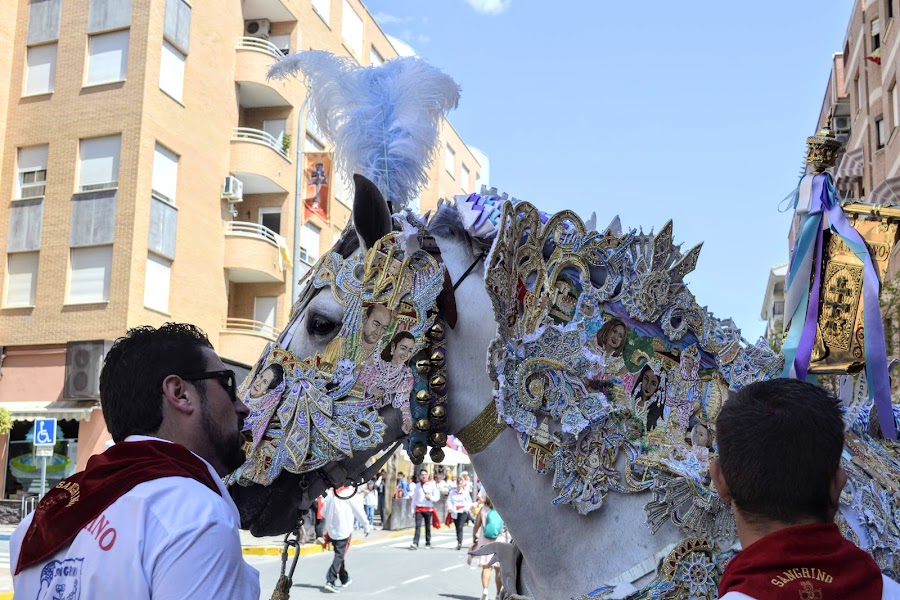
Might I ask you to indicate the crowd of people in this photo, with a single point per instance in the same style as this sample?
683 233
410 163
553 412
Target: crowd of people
151 518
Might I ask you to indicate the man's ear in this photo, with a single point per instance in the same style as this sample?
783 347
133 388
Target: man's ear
175 395
837 485
718 479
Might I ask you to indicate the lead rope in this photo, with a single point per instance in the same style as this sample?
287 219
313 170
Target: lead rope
285 580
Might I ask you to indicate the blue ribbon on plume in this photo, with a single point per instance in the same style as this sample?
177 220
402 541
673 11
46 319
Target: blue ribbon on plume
814 199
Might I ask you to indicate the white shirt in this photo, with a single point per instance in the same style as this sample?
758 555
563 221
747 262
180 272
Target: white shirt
458 501
339 513
169 538
426 494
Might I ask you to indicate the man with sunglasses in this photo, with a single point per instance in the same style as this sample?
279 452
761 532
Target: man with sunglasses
150 517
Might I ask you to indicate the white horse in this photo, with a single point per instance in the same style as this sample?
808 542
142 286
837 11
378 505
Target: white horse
564 554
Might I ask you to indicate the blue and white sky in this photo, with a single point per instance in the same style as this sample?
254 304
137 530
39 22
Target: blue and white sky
692 111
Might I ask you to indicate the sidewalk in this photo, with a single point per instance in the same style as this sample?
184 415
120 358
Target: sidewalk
272 546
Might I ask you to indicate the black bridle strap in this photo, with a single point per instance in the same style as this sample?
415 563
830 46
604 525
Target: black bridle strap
478 259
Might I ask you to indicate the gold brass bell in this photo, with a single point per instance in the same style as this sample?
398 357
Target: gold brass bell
437 383
423 397
438 412
437 455
437 358
423 365
423 424
417 452
438 438
436 331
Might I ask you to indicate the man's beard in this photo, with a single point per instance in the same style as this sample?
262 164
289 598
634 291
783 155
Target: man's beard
370 338
228 447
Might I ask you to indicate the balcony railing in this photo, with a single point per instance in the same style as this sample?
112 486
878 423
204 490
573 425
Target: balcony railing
252 327
257 136
260 45
254 230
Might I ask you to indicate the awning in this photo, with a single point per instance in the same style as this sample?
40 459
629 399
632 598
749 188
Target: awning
886 192
76 410
851 166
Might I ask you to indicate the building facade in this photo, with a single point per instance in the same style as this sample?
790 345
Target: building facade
151 173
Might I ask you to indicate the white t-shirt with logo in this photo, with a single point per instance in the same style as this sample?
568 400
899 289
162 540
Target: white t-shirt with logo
169 538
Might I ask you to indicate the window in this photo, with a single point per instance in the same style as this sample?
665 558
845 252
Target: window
859 95
32 167
450 160
271 218
876 34
352 31
311 144
895 107
40 73
21 279
375 59
889 9
156 283
107 57
89 270
880 136
163 228
323 9
464 179
342 187
99 163
264 311
275 128
171 71
282 42
165 174
309 243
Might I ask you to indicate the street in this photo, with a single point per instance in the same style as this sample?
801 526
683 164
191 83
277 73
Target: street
386 569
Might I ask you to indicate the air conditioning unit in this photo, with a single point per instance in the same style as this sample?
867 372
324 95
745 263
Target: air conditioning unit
843 138
233 189
83 363
258 28
841 124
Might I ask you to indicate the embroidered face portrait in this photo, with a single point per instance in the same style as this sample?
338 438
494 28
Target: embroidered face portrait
267 380
376 321
611 337
401 348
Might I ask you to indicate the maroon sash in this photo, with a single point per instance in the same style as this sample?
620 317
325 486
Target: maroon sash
79 499
808 561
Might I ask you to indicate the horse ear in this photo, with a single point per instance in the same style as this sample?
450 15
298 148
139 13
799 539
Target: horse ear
371 215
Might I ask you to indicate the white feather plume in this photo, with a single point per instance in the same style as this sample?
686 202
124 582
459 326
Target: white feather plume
384 121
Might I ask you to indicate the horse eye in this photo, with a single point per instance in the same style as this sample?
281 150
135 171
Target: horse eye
319 325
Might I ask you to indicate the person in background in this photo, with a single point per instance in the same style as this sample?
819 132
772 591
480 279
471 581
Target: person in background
149 517
380 488
780 444
459 502
339 511
402 486
370 501
425 494
490 526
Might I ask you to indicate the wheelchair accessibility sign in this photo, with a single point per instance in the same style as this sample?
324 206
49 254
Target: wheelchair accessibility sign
44 432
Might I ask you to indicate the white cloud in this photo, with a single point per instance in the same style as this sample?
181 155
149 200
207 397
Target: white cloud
383 18
489 7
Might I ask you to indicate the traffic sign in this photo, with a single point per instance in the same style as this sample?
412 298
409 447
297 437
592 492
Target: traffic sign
44 432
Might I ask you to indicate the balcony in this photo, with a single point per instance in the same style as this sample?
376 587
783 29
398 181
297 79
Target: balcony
243 340
254 254
274 10
254 57
260 162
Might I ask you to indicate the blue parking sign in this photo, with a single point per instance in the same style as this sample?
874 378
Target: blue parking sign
44 432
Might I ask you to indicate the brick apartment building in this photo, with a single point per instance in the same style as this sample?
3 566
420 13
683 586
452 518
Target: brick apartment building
150 172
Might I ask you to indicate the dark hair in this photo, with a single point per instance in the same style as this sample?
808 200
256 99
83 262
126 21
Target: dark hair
278 371
780 444
387 353
639 380
607 328
134 369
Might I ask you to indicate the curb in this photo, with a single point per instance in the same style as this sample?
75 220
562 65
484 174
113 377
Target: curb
308 549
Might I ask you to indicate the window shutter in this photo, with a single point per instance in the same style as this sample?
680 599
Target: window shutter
41 73
89 274
105 15
165 172
108 57
156 283
99 162
21 279
43 21
93 218
25 218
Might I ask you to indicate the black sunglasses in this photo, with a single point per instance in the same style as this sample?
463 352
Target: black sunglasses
226 378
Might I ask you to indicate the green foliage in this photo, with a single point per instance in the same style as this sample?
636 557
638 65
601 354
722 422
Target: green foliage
286 142
6 421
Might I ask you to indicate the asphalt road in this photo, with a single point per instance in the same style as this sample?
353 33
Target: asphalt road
387 570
